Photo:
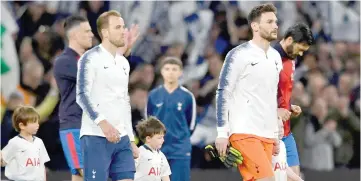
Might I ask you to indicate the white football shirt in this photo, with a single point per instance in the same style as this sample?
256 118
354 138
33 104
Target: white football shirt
279 163
24 159
151 165
102 92
246 100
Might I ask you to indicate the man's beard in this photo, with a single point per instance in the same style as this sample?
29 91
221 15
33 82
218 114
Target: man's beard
267 36
117 43
289 51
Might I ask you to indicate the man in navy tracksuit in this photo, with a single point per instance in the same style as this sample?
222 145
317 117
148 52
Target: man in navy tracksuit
175 106
79 35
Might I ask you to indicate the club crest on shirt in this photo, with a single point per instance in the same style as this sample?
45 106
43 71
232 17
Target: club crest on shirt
179 106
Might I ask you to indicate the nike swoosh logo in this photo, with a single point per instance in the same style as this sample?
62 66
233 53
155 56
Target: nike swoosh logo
253 64
159 105
105 67
149 159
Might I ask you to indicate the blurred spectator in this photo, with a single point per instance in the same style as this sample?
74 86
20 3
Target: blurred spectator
46 45
7 130
138 97
355 100
316 83
92 10
62 7
345 84
138 101
330 95
347 123
300 96
143 75
209 83
32 76
26 51
34 16
204 134
321 137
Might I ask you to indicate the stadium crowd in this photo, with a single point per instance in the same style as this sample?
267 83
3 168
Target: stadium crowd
327 77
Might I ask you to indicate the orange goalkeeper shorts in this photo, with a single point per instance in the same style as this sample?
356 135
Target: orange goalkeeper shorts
257 155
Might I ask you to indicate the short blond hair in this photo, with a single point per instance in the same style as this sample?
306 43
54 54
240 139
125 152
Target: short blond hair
24 115
103 20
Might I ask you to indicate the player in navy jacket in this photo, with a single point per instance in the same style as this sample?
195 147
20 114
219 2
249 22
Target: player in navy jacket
175 106
79 35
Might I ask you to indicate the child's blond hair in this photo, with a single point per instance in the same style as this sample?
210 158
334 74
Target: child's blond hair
24 115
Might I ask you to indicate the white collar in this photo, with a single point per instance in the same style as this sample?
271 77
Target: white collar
257 47
107 52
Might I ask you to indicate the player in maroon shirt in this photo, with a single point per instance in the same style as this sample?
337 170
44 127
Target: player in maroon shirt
297 40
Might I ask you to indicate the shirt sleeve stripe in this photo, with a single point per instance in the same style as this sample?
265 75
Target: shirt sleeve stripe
83 87
223 82
194 109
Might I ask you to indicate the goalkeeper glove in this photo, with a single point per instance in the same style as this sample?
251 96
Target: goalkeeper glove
233 157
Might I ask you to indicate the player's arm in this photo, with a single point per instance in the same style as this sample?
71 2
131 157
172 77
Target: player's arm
84 84
279 135
191 113
65 70
45 173
8 153
282 110
281 92
3 164
165 178
129 129
128 123
296 110
140 160
292 175
233 67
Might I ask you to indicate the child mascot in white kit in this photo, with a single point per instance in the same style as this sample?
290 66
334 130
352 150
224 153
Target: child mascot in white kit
25 154
151 165
279 162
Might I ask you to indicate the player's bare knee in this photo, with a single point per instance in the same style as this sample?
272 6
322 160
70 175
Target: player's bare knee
76 178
